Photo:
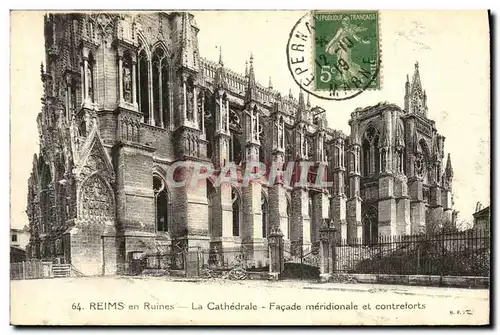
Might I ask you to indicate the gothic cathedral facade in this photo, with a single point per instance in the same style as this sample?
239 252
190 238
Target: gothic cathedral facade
126 97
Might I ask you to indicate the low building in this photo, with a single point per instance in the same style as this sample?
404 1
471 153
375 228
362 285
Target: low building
482 218
19 239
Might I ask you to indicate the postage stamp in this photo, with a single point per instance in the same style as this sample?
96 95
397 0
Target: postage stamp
335 55
161 175
347 45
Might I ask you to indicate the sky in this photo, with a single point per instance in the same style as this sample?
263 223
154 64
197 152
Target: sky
451 47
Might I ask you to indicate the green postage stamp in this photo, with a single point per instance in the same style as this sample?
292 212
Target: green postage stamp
346 49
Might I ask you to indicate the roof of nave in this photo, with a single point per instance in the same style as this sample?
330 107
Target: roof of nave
381 106
237 84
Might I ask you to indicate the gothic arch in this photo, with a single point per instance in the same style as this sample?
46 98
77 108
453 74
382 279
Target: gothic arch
96 199
370 224
162 204
161 45
160 171
211 194
370 124
143 45
237 210
370 154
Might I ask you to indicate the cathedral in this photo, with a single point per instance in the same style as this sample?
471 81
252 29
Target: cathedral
127 96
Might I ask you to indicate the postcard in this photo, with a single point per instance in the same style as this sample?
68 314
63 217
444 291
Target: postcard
322 167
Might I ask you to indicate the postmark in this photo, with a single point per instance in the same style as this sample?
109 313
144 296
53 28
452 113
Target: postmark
335 55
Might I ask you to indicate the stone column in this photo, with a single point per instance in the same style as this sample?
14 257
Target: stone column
120 78
319 213
195 105
435 205
134 83
387 202
251 227
300 222
354 225
203 113
68 101
417 206
338 198
86 81
327 250
446 197
403 225
184 100
275 244
160 100
151 103
82 78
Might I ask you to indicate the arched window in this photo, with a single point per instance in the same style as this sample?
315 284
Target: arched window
127 77
370 225
289 146
90 78
165 93
236 212
376 155
366 157
370 152
157 56
210 198
142 84
161 205
235 148
264 207
160 87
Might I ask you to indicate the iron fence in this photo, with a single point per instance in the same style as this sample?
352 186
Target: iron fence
456 254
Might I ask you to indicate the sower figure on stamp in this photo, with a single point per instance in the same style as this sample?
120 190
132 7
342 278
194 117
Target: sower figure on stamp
342 43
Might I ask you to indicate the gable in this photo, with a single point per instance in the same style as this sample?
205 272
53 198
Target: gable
95 159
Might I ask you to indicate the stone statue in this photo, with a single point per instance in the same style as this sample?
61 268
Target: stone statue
189 102
127 84
90 91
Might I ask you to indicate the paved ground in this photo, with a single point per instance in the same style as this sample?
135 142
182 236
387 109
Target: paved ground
135 300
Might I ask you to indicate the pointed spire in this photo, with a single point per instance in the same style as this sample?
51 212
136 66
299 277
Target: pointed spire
449 168
416 84
308 100
270 83
251 84
251 73
220 74
290 95
246 69
301 100
221 63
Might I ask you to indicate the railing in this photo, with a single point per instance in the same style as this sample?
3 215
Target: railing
458 253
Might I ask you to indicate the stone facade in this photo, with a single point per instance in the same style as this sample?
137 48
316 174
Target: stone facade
128 97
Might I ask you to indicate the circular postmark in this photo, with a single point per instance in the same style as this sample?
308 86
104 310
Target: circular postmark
335 55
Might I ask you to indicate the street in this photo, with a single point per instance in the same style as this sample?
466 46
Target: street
171 301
